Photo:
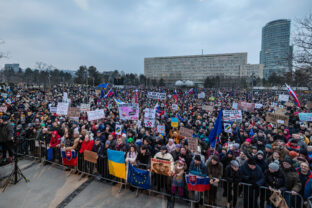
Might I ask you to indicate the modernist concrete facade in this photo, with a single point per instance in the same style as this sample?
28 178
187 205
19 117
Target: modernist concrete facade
276 52
197 67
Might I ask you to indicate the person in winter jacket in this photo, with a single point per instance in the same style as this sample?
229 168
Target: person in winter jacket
177 177
251 173
259 158
132 155
232 177
292 145
215 172
227 159
197 167
305 176
275 180
292 183
6 137
87 144
55 139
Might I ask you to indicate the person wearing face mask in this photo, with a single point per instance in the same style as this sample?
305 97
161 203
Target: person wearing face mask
292 183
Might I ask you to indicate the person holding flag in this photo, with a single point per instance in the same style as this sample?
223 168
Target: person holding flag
216 131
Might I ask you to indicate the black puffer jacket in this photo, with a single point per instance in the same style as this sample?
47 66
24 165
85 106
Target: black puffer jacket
276 179
231 176
6 133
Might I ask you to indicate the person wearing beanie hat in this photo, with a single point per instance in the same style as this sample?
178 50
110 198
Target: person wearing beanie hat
232 176
251 173
274 166
215 172
246 146
293 183
274 179
177 178
260 161
293 154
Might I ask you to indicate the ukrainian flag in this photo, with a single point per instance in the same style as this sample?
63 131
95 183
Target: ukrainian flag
116 163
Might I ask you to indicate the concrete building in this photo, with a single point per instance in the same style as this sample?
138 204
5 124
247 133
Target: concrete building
197 67
15 67
276 52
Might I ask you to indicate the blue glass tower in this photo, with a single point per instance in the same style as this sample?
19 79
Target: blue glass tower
276 52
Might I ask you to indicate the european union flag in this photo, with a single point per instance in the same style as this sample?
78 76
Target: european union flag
139 178
216 131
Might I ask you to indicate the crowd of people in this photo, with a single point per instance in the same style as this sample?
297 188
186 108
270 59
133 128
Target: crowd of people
254 151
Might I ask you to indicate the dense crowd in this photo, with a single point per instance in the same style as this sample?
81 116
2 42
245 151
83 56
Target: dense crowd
255 152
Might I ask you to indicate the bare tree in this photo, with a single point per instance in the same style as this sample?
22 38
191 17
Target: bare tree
303 43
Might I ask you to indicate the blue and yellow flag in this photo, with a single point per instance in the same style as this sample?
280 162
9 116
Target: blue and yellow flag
116 163
139 178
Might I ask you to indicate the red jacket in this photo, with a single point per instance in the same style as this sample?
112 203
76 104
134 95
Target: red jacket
55 140
86 145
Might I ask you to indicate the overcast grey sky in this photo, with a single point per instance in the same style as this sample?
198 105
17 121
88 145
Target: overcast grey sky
118 34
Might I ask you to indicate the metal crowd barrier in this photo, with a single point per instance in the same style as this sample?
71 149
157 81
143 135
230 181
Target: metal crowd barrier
237 195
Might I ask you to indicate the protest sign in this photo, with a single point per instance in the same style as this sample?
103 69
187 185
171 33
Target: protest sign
90 156
232 115
192 144
207 108
174 122
156 95
211 98
128 111
95 115
84 107
284 98
258 105
227 128
161 129
185 132
280 111
73 112
118 129
235 106
277 118
62 108
174 107
3 109
162 167
149 117
244 106
201 95
289 104
53 110
4 95
305 116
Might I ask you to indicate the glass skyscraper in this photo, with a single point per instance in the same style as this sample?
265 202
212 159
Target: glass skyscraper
276 52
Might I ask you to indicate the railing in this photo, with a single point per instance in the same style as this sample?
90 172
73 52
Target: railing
221 195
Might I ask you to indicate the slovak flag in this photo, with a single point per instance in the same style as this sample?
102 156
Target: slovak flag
191 91
69 157
175 95
197 183
293 94
109 93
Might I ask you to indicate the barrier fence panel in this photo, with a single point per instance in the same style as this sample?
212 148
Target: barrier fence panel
222 194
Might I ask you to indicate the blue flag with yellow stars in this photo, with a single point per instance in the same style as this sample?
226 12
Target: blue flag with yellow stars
138 178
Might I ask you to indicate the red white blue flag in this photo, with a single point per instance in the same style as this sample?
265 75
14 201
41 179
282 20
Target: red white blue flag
293 94
69 157
109 93
197 183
